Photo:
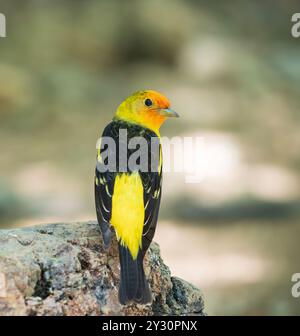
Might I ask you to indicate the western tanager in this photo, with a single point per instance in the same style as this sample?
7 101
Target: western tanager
128 201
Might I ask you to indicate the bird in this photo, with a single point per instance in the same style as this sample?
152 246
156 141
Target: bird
128 201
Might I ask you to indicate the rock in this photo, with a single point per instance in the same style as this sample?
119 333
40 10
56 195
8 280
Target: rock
63 269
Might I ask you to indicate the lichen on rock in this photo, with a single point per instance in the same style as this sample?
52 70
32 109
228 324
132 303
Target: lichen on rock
63 269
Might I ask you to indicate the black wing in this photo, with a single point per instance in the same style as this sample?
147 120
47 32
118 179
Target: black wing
152 183
104 185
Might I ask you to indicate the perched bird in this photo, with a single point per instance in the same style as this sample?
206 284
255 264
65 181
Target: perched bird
128 201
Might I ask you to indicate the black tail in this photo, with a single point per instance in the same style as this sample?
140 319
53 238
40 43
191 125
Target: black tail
133 284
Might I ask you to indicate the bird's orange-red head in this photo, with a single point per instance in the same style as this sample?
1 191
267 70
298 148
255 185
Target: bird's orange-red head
147 108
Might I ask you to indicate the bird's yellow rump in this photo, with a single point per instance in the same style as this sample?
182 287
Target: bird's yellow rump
128 211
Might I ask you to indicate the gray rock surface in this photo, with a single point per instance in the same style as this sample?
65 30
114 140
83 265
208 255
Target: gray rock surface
63 269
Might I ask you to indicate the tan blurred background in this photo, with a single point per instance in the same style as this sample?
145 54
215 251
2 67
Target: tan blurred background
231 70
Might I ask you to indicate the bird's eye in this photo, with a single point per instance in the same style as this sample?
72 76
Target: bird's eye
148 102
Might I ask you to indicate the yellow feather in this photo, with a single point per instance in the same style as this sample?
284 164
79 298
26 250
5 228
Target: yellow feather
160 160
128 211
99 158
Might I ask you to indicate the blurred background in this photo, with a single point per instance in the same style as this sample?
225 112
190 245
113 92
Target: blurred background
231 70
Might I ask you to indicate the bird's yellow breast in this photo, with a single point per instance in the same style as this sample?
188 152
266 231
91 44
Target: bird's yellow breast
128 211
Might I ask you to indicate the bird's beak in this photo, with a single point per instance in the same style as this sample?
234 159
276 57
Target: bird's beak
168 113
